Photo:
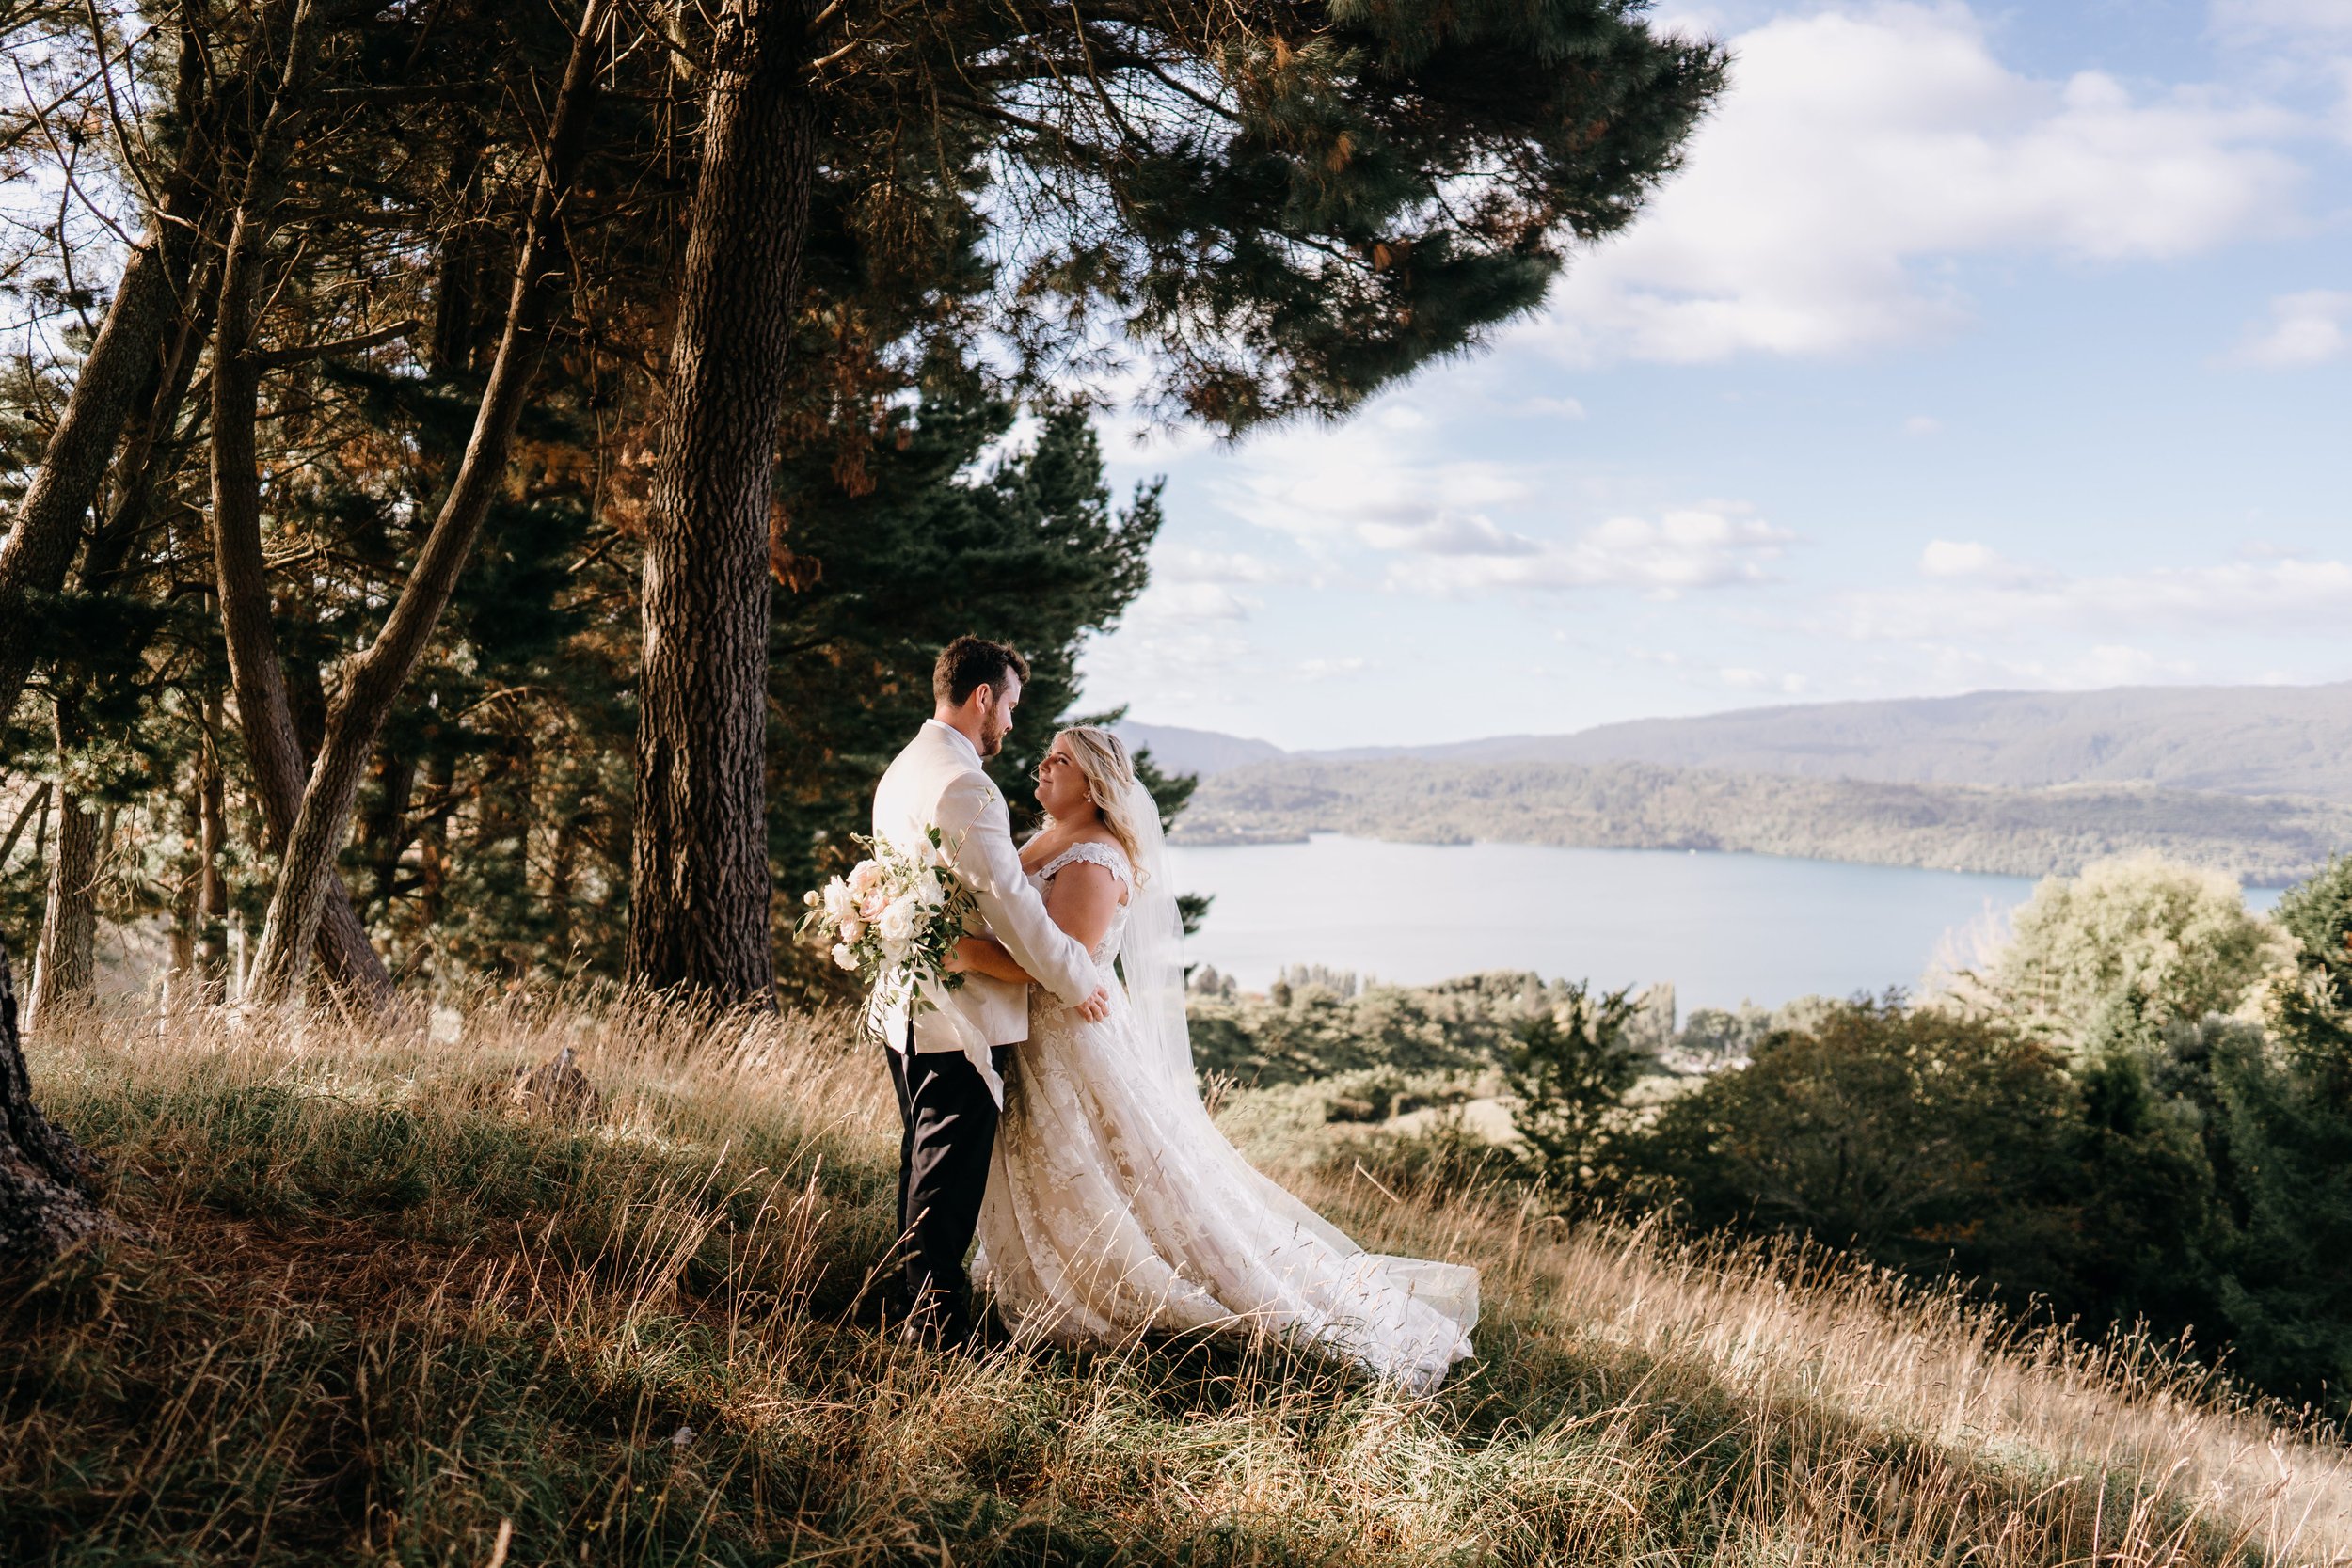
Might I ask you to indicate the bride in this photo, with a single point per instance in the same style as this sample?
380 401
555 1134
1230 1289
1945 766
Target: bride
1113 1204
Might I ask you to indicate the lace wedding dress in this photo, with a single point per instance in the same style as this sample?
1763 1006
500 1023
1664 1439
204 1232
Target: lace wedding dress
1114 1205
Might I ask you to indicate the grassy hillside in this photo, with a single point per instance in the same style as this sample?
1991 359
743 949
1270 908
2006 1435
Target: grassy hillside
376 1314
1636 806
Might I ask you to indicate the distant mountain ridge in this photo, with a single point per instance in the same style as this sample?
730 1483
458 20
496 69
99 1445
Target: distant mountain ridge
2234 740
1178 750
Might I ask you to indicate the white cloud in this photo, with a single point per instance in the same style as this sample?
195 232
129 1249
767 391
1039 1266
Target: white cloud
1922 425
1741 678
1977 597
2283 18
1700 547
1182 563
1326 485
1374 487
2309 328
1861 148
1183 642
1946 557
1449 535
1328 669
1177 601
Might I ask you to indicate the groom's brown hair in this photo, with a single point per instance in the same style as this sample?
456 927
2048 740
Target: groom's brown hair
969 663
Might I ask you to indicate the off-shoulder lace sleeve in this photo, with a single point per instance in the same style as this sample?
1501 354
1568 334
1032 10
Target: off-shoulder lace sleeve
1104 855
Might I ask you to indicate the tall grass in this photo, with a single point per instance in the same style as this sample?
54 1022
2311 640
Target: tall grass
378 1313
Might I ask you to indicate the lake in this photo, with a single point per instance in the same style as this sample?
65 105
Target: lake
1723 927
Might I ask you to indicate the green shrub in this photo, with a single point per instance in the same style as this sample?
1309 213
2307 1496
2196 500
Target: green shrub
2179 940
1919 1138
1567 1074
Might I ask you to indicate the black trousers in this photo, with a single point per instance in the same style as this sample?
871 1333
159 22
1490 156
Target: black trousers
948 1127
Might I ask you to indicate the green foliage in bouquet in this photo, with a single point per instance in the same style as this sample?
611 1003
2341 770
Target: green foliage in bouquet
894 919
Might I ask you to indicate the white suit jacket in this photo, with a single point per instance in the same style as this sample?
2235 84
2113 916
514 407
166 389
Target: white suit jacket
937 781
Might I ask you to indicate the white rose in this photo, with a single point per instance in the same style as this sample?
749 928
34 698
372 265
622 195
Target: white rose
897 923
842 955
840 903
865 877
928 893
852 929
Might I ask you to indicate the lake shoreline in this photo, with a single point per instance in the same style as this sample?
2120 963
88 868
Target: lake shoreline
1723 926
1214 839
2262 841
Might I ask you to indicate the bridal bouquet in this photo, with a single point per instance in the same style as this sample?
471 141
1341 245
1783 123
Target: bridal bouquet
896 914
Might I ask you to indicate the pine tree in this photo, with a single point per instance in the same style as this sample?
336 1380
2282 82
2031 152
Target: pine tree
1030 552
1281 206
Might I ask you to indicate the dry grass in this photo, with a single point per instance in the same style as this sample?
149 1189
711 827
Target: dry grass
378 1315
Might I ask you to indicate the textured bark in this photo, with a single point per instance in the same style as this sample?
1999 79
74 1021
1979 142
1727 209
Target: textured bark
255 672
65 966
699 900
46 1203
183 974
114 385
40 546
212 837
432 858
372 680
150 454
65 961
385 832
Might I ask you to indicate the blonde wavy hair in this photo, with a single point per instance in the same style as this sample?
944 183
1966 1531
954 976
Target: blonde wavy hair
1110 775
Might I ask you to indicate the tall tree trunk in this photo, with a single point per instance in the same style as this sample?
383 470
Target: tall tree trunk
699 903
46 1204
563 871
41 548
212 838
372 680
65 965
256 674
385 831
108 393
432 868
185 918
37 800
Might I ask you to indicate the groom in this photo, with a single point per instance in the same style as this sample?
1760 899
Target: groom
947 1060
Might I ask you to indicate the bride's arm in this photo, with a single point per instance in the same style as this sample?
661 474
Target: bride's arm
1082 900
987 956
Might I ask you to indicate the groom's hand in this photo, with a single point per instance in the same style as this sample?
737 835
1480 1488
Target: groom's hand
1095 1008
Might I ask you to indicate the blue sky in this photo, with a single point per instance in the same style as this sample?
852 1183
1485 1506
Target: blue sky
1973 347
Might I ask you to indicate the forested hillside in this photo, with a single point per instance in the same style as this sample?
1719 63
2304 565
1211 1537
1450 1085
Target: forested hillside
1637 806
